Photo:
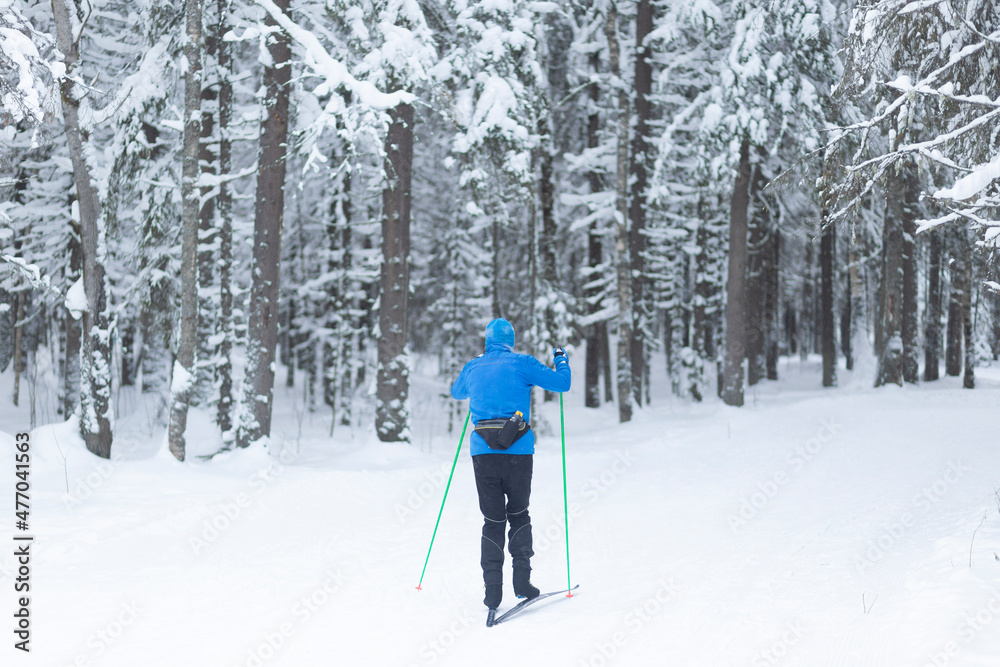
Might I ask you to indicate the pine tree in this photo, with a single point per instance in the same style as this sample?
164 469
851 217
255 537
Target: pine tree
932 61
622 262
640 160
95 367
262 305
183 384
686 244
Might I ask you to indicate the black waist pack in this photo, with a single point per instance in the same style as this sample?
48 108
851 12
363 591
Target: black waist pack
490 430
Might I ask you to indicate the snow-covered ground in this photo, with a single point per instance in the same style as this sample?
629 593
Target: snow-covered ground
810 527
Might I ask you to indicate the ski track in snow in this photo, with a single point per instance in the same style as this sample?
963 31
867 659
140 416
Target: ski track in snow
809 527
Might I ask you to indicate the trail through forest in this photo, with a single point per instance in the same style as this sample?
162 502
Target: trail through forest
809 528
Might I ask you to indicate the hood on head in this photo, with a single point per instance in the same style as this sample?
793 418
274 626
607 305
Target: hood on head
500 331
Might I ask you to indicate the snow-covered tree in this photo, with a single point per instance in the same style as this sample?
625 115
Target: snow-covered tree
26 75
931 64
767 106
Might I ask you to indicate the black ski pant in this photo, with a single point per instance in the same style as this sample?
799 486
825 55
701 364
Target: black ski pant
504 485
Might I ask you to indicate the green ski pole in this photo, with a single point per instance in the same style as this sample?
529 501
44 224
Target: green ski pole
562 428
448 486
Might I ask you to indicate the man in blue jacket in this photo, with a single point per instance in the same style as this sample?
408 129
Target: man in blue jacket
498 384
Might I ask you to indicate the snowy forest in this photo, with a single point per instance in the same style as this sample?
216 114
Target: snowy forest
247 246
196 192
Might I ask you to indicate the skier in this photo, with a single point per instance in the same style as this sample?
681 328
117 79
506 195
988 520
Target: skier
498 385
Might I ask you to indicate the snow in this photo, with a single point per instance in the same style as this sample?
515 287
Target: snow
76 300
811 527
182 379
333 72
972 183
24 92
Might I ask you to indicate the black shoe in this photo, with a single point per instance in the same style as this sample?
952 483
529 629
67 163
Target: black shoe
494 594
523 587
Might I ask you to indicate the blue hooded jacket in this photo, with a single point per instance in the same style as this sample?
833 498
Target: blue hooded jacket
499 381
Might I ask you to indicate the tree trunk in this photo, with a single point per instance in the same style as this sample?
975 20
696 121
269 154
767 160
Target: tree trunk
772 301
497 306
932 315
262 310
968 377
605 343
910 326
183 383
806 321
827 252
643 86
391 416
547 243
224 323
18 344
956 299
95 364
756 282
845 323
890 354
732 380
337 351
624 370
207 230
700 323
962 285
547 247
348 322
858 334
592 391
72 330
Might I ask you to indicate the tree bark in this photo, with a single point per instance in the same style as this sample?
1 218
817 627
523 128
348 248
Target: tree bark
348 323
732 379
95 364
859 322
845 323
969 374
932 315
262 321
547 241
962 287
910 323
827 252
592 391
643 86
956 299
772 301
624 370
890 354
183 383
18 345
71 375
224 203
806 320
701 333
391 415
547 244
497 306
208 233
756 282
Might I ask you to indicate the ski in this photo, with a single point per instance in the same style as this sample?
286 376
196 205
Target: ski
492 620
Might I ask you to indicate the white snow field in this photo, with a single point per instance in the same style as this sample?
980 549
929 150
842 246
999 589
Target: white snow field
851 526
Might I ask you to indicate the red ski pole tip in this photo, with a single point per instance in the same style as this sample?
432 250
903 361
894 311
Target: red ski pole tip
419 588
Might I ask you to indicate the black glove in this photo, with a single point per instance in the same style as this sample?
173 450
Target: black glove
557 352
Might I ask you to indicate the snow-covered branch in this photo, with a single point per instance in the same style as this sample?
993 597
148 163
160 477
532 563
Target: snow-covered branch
333 72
